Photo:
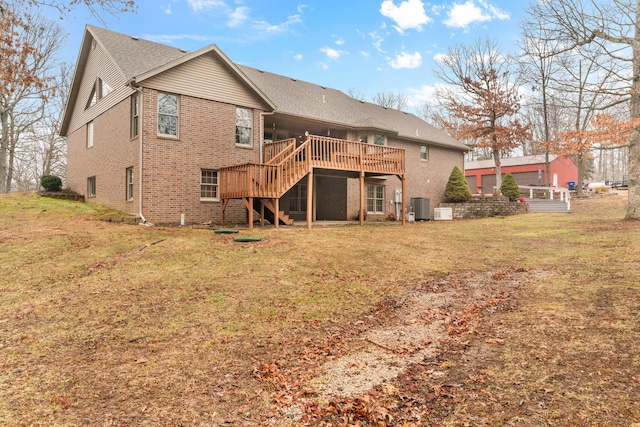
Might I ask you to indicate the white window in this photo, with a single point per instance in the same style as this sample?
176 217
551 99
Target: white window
298 199
375 199
424 152
89 134
99 90
91 186
167 114
135 113
208 184
129 187
244 118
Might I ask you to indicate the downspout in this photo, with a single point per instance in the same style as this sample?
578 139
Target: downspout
140 128
262 133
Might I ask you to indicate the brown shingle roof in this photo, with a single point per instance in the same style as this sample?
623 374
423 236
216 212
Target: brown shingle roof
303 99
133 55
136 57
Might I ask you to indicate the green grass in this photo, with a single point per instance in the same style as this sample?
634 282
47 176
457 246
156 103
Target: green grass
99 325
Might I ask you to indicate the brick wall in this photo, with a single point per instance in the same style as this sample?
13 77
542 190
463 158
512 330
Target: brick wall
113 151
425 178
172 166
485 207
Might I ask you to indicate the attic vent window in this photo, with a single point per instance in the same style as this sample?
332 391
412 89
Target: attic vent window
99 90
94 43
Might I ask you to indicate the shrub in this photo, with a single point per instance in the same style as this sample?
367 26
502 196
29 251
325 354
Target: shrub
51 183
457 189
509 187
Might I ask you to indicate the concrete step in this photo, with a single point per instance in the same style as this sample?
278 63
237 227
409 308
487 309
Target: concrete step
546 205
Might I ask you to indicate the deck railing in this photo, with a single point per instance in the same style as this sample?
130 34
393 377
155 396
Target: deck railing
285 165
273 151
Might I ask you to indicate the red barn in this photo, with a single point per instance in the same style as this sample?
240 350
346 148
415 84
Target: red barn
527 170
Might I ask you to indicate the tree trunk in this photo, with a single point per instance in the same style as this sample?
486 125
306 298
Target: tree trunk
496 159
633 206
4 148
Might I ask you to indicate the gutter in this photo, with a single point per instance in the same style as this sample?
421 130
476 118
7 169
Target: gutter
130 83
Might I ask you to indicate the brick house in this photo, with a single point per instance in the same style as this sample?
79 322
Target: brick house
166 134
527 170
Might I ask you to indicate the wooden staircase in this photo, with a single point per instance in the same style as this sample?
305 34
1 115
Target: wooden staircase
267 209
286 163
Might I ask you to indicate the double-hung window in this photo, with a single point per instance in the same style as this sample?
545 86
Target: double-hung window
244 118
167 114
129 186
209 185
375 199
89 134
135 114
424 152
91 186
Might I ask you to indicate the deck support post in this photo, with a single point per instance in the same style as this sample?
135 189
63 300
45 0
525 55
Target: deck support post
261 213
276 214
404 198
310 199
248 202
362 198
224 206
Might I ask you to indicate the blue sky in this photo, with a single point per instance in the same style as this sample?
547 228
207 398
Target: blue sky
369 46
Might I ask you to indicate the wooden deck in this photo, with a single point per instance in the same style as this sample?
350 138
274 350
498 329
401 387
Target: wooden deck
286 163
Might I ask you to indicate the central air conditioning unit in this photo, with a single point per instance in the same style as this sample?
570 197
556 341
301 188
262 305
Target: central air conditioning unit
443 214
421 208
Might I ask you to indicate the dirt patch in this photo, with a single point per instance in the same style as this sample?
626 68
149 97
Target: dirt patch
409 336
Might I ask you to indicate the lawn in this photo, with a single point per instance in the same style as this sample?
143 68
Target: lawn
525 320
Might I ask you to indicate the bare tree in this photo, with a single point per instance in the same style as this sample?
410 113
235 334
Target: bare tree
391 99
355 94
482 94
29 52
614 26
96 7
539 67
587 88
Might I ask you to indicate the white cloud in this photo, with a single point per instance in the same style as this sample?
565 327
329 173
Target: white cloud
277 28
297 57
331 53
166 9
409 15
425 94
406 60
377 41
440 57
340 41
198 5
462 15
238 16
